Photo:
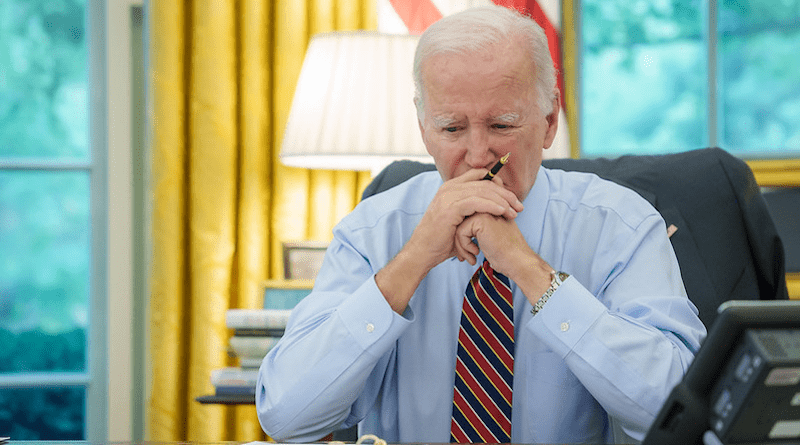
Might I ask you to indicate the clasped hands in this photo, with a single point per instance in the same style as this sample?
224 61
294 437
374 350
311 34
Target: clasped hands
466 208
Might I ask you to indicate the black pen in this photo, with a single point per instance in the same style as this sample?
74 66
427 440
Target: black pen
496 168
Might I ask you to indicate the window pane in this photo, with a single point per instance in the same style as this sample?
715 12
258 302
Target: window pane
44 271
43 413
759 66
43 86
643 77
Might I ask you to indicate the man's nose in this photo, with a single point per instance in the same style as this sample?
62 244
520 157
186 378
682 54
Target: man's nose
479 154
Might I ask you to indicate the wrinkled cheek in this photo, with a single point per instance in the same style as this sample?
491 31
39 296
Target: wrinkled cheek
449 164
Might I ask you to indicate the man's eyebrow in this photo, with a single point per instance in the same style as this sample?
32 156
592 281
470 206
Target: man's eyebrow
442 121
507 118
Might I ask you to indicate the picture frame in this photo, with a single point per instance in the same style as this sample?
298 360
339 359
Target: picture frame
302 259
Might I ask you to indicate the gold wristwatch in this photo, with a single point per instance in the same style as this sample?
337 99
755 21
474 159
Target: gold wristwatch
556 278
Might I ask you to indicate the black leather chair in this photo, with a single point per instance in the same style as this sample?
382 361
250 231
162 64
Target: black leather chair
726 242
784 207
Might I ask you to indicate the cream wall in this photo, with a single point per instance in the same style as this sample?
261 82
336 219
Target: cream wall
124 392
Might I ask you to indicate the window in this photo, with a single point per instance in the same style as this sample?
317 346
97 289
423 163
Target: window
52 221
660 76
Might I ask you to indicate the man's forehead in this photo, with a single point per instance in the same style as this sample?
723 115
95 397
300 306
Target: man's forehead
494 95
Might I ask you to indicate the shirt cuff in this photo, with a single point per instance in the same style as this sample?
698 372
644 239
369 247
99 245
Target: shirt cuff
370 320
569 313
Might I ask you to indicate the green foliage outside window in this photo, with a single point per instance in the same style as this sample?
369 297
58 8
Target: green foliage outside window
42 414
43 94
45 243
759 68
44 251
645 77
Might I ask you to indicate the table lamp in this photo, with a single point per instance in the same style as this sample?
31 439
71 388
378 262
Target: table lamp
353 107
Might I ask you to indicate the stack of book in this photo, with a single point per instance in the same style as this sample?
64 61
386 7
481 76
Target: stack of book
255 332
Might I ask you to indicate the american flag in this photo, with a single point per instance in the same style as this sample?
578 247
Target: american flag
414 16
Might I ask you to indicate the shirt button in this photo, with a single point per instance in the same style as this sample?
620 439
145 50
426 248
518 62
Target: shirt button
370 327
565 326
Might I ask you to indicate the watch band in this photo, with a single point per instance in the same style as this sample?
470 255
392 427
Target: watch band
556 278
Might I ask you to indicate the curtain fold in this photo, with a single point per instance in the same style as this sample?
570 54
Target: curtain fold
570 55
221 78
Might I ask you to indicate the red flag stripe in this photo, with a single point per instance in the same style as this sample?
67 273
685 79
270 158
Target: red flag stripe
418 15
519 5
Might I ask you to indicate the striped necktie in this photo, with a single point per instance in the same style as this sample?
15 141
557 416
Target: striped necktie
484 361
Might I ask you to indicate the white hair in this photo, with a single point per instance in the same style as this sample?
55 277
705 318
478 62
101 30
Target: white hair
476 29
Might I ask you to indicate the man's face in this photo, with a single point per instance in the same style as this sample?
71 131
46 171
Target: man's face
479 107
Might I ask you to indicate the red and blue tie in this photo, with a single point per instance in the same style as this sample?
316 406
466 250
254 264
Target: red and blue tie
484 361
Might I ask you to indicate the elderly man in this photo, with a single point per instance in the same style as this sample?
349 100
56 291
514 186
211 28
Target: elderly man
595 325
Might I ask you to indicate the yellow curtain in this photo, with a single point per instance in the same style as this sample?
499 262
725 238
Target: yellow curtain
221 78
569 51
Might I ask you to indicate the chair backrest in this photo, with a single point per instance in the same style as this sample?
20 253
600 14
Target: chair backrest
784 207
726 242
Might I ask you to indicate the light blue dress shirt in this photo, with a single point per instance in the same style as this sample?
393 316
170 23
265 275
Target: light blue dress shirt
599 358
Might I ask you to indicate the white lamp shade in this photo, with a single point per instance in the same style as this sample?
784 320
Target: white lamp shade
353 107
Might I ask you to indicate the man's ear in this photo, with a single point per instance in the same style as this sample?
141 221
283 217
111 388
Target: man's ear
552 120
